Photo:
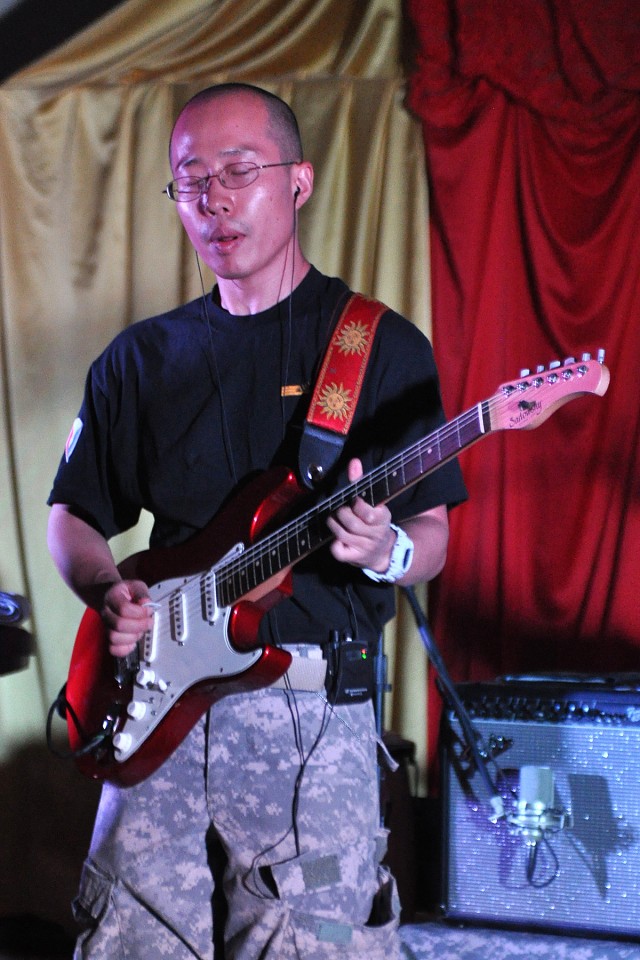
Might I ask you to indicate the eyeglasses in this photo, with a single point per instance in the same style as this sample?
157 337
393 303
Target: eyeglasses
235 176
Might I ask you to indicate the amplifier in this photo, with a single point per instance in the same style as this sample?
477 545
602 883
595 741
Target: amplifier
570 858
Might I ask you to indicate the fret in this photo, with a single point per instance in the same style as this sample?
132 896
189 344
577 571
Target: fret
393 480
366 489
382 489
386 485
412 468
223 598
473 428
301 541
239 582
449 446
255 571
279 554
316 531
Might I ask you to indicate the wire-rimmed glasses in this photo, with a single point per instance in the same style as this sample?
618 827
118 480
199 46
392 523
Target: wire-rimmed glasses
234 176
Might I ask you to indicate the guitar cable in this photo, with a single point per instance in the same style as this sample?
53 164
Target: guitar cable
63 708
255 869
327 714
304 760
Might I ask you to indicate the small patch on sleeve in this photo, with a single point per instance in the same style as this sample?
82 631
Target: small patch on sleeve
72 439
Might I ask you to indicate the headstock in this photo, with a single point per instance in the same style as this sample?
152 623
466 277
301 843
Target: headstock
527 402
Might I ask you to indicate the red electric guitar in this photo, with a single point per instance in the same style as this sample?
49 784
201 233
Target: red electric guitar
126 716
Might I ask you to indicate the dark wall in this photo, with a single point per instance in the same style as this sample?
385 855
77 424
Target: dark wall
33 28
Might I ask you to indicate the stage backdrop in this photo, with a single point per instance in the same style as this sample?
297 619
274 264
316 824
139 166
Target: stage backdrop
531 120
90 244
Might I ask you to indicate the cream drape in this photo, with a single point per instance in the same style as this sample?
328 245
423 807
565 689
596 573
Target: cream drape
89 245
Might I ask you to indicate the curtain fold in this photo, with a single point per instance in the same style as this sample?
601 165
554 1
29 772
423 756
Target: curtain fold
89 244
531 124
183 40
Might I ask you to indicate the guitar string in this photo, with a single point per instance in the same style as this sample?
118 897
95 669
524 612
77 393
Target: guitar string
257 554
195 586
414 452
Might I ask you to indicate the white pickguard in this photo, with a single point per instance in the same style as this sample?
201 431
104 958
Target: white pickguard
189 643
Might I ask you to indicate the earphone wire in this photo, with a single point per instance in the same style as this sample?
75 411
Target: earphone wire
226 433
287 352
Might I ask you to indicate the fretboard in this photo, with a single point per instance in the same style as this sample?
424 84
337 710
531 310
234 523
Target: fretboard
307 532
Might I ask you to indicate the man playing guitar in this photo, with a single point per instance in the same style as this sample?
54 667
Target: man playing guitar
271 795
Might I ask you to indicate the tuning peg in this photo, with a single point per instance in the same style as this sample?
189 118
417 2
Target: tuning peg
569 360
554 365
540 368
601 355
585 357
525 372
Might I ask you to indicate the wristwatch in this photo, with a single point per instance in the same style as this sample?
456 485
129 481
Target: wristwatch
401 557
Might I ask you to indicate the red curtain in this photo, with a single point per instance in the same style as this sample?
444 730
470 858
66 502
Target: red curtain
531 118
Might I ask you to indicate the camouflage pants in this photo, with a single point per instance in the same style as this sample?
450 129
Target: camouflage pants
288 787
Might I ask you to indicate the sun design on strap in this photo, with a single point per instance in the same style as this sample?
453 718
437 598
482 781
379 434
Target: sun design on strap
335 401
354 338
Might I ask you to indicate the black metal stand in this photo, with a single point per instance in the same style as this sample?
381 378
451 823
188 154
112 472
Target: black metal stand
472 737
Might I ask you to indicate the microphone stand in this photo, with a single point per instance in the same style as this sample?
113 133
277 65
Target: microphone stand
16 643
535 814
450 694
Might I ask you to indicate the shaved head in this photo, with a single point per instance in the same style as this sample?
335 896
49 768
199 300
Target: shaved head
282 126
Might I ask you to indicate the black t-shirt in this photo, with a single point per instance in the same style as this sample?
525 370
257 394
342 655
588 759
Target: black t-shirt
181 409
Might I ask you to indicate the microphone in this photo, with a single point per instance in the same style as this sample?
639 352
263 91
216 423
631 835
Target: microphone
535 814
535 817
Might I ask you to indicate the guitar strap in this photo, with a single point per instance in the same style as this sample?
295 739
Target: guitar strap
337 389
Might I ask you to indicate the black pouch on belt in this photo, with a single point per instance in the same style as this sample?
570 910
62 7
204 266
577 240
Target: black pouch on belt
350 673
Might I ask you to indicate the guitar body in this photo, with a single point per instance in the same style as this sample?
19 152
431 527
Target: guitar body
150 706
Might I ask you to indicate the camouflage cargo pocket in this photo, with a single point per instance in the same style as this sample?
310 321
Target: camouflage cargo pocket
320 938
92 910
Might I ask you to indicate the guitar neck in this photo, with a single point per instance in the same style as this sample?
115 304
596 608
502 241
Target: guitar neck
307 532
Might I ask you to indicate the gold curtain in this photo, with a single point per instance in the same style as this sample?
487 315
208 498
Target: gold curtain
89 245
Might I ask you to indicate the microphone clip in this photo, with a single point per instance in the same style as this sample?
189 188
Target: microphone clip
535 814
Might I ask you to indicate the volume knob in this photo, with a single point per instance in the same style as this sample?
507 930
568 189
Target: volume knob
136 709
145 677
122 742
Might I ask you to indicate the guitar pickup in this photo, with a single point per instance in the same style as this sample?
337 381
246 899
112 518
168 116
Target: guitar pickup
177 616
150 638
208 597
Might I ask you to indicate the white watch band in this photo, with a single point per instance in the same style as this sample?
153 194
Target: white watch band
401 557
